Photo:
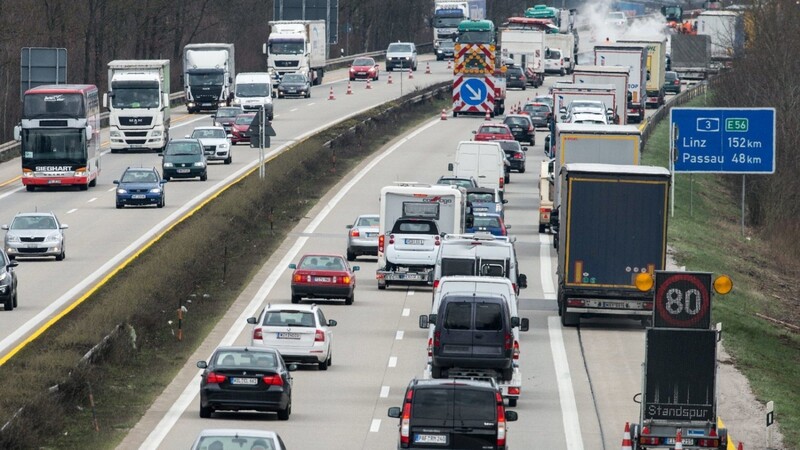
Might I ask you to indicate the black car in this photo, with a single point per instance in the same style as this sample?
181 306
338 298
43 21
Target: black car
515 78
446 50
672 82
294 85
8 282
462 414
540 113
521 126
246 378
225 115
515 155
184 158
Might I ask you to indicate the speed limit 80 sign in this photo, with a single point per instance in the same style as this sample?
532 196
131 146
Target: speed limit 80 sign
682 300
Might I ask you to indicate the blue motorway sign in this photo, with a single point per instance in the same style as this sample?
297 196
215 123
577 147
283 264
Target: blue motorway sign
473 91
723 140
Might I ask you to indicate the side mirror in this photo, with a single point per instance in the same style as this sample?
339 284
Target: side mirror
450 167
522 281
423 321
524 149
474 132
349 226
511 416
202 364
504 201
293 266
524 324
331 323
356 268
13 263
508 227
17 133
514 322
563 117
188 136
162 181
115 182
394 412
64 226
252 320
562 110
291 367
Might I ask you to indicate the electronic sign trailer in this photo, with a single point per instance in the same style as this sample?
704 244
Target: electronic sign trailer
679 373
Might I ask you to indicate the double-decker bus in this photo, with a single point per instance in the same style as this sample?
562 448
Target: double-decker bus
60 136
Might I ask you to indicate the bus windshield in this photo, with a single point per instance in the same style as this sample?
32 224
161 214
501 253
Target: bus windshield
43 144
135 96
53 105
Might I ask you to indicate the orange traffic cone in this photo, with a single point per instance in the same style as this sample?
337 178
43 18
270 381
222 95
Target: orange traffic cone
389 80
741 446
488 116
428 68
449 64
626 438
349 89
678 441
369 85
444 114
330 95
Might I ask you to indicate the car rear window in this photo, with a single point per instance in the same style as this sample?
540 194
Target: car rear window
446 403
433 403
487 197
488 317
458 316
241 358
289 319
493 268
322 262
509 146
487 221
516 121
670 75
368 221
492 130
457 266
238 441
473 404
408 227
537 108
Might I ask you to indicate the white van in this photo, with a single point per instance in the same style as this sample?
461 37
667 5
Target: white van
254 90
482 160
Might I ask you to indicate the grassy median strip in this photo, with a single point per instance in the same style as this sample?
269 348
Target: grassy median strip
49 400
706 236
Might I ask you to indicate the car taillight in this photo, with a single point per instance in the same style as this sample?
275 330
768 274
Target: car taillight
298 278
501 422
273 380
391 239
380 243
518 155
430 348
319 336
258 334
405 420
713 443
436 241
344 280
516 350
354 232
530 128
436 336
215 378
677 82
508 341
647 440
435 284
503 230
502 182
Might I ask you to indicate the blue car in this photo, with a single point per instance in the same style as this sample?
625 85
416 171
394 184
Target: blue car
490 223
140 186
486 200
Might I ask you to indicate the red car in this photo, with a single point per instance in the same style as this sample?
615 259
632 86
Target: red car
364 68
493 132
240 127
323 276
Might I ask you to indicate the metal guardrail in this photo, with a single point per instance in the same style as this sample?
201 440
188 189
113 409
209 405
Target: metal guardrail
680 99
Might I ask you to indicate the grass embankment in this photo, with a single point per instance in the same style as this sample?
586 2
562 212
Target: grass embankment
706 236
206 262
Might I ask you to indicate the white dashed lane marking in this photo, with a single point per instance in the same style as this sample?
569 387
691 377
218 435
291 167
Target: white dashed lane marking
399 335
384 391
393 361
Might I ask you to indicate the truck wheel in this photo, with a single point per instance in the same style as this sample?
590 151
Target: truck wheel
296 299
542 228
455 114
635 436
563 72
568 319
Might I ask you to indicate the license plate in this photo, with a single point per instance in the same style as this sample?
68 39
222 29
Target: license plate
137 196
414 242
362 73
284 335
53 181
516 129
136 145
31 245
245 381
430 438
409 276
293 90
322 279
686 441
372 234
183 170
205 104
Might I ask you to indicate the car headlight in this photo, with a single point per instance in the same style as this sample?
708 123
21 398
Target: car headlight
12 238
115 133
3 276
157 133
55 237
352 69
199 164
222 146
168 164
155 191
236 101
121 191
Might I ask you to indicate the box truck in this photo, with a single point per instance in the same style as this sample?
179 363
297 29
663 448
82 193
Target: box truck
635 58
656 66
616 76
297 46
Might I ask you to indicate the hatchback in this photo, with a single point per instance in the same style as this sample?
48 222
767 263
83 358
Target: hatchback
493 132
301 333
322 275
515 78
139 186
540 113
515 155
521 126
8 282
294 85
240 130
36 234
486 200
672 82
491 223
245 379
362 236
365 69
184 158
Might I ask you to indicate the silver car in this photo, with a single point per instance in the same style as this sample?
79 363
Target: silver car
216 144
35 234
362 236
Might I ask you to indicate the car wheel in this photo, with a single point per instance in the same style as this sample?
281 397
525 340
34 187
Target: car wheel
229 159
382 287
205 412
166 177
296 299
204 176
563 72
161 202
29 188
352 78
61 256
414 68
8 305
524 87
351 299
512 402
522 169
119 205
351 256
83 187
507 179
542 228
15 300
323 365
308 94
284 414
508 373
270 117
568 319
436 372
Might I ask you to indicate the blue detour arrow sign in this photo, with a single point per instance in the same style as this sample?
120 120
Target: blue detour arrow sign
473 91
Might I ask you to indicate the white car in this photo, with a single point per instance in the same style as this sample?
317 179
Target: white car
223 438
301 333
617 19
215 141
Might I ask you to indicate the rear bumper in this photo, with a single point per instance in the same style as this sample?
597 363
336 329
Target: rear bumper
472 362
617 305
319 291
411 276
272 400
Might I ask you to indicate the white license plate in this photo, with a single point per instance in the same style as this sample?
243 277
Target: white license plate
53 181
686 441
292 91
372 234
322 279
183 170
31 245
430 438
414 242
362 73
284 335
409 276
136 145
245 381
137 196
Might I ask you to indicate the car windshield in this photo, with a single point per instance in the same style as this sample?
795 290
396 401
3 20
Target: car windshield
585 104
183 148
544 99
244 120
139 176
456 182
228 112
293 78
33 223
487 221
364 62
246 358
409 227
480 197
209 133
239 441
552 54
537 108
492 130
399 48
321 262
253 89
670 75
368 221
289 319
514 71
516 121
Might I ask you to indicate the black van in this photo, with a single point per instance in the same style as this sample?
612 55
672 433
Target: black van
452 414
474 332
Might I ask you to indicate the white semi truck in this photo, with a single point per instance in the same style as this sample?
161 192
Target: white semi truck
138 104
296 46
209 71
635 57
447 14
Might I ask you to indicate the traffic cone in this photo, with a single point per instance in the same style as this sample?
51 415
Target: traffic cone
349 89
449 64
626 438
444 114
678 441
488 116
389 80
330 95
428 68
741 446
369 84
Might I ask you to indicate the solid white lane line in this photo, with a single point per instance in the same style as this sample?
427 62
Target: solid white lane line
192 389
72 211
399 335
384 391
393 361
546 271
406 312
569 409
375 426
92 199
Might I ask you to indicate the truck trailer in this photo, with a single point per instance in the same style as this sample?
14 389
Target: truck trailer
690 56
526 47
656 67
726 29
209 71
635 58
616 76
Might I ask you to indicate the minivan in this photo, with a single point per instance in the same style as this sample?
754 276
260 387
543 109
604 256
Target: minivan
452 414
254 90
478 254
482 160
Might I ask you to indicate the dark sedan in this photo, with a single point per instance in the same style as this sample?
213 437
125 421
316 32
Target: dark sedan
515 78
540 113
246 378
522 128
515 155
294 85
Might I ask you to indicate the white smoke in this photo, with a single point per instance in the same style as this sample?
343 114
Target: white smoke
593 17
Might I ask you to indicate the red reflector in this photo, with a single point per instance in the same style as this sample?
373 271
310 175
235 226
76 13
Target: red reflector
649 440
257 334
430 349
574 302
513 391
648 305
214 378
435 284
319 336
502 181
273 380
518 155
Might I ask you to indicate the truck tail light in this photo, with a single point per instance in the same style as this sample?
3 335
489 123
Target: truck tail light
501 422
508 341
430 348
258 334
215 378
381 243
436 336
319 336
502 182
513 391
